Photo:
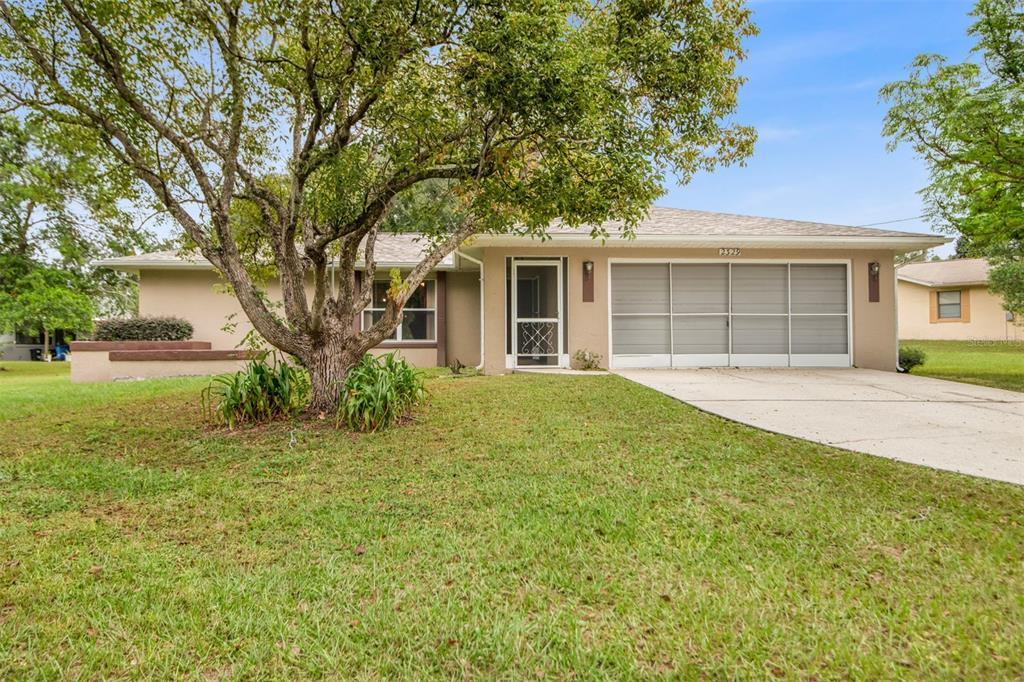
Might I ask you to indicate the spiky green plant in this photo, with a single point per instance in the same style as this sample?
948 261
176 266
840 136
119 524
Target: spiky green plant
267 388
379 391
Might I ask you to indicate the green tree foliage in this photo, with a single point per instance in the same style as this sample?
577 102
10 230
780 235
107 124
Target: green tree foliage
324 118
45 299
967 121
60 206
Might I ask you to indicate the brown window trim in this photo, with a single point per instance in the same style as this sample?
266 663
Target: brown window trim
965 306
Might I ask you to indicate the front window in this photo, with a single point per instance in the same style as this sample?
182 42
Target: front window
418 316
949 305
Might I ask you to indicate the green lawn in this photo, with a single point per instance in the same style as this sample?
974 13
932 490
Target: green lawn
989 363
521 526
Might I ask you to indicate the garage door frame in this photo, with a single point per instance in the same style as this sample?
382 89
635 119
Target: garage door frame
672 360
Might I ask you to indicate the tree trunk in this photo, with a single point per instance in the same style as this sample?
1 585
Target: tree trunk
46 346
328 366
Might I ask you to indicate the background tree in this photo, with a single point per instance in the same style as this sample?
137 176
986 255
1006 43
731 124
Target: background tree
918 256
62 207
967 121
43 301
322 116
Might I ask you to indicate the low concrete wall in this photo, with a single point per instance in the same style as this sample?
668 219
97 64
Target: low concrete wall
93 361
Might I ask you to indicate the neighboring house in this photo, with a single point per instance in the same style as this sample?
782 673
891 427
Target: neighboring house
19 346
950 300
691 289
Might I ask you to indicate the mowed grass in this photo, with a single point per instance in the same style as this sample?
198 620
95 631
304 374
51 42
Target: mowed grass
519 527
989 363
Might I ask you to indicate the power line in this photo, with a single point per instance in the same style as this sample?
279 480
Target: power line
890 222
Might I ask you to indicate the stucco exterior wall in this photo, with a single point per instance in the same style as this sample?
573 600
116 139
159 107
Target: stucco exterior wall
987 317
199 296
874 324
463 318
195 295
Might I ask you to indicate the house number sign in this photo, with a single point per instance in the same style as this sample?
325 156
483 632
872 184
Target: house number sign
728 252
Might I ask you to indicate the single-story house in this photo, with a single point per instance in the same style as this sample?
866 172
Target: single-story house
692 289
950 300
22 346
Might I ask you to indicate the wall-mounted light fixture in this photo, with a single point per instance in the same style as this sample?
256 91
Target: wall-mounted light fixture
588 281
874 270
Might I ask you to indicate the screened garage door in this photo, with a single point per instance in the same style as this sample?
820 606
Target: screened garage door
730 314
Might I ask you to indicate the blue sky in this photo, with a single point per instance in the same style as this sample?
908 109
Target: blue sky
812 92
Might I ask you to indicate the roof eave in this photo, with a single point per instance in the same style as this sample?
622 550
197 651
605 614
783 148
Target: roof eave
895 243
941 285
130 265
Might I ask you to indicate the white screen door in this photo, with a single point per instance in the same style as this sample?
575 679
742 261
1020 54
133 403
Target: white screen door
537 313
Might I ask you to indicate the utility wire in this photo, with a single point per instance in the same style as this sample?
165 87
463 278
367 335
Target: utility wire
890 222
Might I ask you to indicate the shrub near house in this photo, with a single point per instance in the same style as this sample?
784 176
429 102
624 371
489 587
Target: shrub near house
144 329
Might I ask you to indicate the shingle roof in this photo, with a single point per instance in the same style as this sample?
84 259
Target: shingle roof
945 273
403 248
681 221
390 250
661 224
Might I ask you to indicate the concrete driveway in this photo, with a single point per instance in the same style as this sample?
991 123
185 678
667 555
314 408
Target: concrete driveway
940 424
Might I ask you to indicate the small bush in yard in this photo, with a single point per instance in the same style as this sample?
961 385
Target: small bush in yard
586 360
378 392
911 357
261 392
144 329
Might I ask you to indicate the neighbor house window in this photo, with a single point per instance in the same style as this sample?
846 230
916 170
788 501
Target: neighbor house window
28 339
949 305
418 316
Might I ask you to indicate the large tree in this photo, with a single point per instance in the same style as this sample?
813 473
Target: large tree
966 120
61 206
322 116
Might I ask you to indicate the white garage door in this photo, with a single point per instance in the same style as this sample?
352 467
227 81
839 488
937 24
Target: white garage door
730 314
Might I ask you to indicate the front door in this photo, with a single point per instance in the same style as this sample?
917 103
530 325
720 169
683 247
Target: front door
537 313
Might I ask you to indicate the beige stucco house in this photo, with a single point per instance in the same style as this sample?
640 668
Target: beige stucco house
692 289
950 300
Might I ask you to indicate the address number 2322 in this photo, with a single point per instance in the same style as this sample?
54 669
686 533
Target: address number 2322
728 252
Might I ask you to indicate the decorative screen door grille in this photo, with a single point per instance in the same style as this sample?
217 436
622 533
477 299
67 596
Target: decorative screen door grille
537 313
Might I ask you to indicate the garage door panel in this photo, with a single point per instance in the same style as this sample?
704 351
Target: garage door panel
700 288
640 335
640 288
759 289
819 289
700 334
760 335
820 335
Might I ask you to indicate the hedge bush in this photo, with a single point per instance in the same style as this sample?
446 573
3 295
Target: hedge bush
911 357
143 329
